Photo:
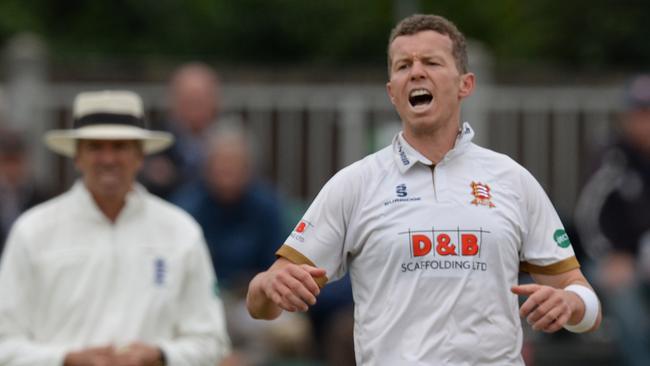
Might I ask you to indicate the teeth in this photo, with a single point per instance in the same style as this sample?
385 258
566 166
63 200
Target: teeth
419 92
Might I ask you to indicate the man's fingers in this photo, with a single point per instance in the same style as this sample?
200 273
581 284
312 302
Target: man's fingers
302 291
314 271
527 307
545 308
525 290
305 274
292 287
551 321
293 295
537 295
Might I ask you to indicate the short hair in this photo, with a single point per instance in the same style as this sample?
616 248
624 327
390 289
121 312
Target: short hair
423 22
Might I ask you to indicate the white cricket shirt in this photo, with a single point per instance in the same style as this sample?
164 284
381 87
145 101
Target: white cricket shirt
433 252
71 279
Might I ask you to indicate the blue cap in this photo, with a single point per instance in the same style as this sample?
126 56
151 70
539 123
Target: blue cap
637 93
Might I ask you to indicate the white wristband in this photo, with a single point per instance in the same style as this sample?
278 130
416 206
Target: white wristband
592 305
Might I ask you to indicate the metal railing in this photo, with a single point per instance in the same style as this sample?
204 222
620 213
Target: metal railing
305 133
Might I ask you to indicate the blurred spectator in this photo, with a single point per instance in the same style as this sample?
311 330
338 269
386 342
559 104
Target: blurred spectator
18 191
613 218
242 221
241 217
194 96
106 273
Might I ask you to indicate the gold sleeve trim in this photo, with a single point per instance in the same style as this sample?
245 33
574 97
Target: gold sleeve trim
296 257
555 268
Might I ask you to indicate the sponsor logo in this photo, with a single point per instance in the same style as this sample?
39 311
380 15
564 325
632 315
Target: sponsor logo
402 154
482 195
400 190
300 230
456 250
301 227
561 238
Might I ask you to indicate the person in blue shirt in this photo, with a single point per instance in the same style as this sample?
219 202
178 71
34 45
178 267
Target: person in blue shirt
242 218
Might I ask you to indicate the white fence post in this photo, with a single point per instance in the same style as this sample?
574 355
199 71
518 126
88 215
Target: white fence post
25 91
476 105
353 137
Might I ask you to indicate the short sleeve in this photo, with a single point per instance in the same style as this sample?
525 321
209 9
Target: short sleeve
546 246
319 237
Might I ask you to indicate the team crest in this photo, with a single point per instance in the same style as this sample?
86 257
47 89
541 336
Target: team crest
481 193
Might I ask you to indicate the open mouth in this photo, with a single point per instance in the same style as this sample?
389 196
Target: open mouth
420 97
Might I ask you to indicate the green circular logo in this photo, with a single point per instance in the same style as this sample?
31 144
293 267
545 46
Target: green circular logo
561 238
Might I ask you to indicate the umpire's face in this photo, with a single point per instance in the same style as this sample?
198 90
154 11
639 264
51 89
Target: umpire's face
109 167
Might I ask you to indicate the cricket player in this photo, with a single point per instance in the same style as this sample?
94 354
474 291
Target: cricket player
434 231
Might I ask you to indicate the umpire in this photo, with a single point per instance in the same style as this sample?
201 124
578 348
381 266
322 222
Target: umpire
106 273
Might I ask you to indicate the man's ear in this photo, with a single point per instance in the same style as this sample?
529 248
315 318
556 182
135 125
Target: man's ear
467 82
390 93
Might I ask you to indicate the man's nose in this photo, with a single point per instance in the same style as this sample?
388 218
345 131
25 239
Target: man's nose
417 70
107 154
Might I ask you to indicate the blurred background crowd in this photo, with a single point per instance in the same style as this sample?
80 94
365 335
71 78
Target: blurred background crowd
267 99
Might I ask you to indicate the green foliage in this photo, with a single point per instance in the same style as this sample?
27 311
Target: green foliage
577 33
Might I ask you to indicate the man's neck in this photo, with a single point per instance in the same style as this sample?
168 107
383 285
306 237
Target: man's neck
109 206
111 209
435 144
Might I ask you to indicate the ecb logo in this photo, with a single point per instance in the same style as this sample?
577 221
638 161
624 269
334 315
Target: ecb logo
400 190
160 271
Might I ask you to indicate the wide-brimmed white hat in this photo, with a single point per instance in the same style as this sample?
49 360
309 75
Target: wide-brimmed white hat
107 115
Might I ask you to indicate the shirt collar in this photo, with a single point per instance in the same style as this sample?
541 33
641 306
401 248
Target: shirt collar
134 199
406 155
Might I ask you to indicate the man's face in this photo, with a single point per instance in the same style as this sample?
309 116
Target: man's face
109 167
229 171
194 102
425 85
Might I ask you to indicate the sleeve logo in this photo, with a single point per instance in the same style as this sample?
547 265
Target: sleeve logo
300 230
561 238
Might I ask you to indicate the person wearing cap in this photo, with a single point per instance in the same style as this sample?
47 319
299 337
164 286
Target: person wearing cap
614 225
106 273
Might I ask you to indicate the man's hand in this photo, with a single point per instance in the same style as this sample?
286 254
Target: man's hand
284 286
547 308
94 356
138 354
